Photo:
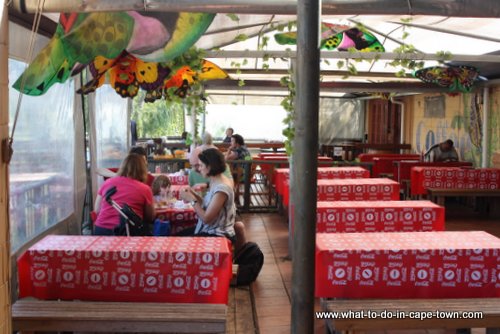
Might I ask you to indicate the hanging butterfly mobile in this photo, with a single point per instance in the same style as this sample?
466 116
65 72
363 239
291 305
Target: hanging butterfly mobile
340 37
131 45
127 74
455 78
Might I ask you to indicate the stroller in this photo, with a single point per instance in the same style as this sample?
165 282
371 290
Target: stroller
130 223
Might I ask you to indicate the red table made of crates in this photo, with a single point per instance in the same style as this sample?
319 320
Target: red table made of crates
379 216
407 265
281 179
131 269
423 178
363 189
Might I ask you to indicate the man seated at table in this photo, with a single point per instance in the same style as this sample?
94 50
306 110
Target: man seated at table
195 179
442 152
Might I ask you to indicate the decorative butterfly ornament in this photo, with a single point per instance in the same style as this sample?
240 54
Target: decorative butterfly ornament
455 78
340 37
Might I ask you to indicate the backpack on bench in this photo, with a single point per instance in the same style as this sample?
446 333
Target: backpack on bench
250 261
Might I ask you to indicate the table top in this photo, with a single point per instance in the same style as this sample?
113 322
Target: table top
418 242
420 204
360 181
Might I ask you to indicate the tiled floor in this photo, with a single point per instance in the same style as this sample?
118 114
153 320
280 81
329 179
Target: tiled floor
272 290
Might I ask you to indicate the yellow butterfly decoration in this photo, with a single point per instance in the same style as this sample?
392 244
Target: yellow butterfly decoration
126 74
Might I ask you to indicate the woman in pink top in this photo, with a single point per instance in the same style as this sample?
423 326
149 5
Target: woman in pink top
131 189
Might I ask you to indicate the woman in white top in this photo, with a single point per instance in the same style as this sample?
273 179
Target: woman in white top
216 211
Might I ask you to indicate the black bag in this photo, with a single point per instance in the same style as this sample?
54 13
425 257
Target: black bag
130 223
250 261
136 226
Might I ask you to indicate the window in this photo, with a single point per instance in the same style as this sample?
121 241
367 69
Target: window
41 169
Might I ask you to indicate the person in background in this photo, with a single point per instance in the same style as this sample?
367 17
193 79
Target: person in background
229 133
195 179
131 190
237 150
161 188
442 152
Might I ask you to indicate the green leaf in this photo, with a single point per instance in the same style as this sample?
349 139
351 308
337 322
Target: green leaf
233 17
241 38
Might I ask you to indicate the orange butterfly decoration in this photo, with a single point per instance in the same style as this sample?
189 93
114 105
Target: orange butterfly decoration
126 74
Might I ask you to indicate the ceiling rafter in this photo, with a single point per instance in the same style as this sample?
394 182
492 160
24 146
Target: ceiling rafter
462 8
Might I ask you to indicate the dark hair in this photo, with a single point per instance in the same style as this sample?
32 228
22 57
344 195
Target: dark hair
139 150
214 159
449 142
238 139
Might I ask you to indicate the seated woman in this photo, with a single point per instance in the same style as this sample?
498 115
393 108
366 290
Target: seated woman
131 190
216 211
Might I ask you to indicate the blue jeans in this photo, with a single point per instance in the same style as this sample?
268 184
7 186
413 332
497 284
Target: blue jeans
103 231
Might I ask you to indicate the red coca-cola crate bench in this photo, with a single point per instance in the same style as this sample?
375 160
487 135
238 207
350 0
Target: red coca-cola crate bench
378 216
173 275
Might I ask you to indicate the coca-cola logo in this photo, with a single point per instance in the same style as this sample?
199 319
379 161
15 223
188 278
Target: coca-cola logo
340 272
40 275
394 274
178 282
180 257
95 278
449 275
366 273
151 281
123 279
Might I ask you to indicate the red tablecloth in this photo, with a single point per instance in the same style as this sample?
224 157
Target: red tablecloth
402 168
282 175
453 178
379 216
137 269
358 190
407 265
180 219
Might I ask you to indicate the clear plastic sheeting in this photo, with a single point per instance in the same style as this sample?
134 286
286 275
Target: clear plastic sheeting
42 167
111 127
340 120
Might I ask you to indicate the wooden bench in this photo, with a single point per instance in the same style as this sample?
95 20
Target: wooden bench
88 316
488 307
438 195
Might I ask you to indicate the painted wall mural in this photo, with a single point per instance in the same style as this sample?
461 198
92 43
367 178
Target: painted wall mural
462 123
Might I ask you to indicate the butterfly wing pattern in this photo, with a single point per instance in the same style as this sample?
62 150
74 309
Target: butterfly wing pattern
455 78
100 39
340 37
127 74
